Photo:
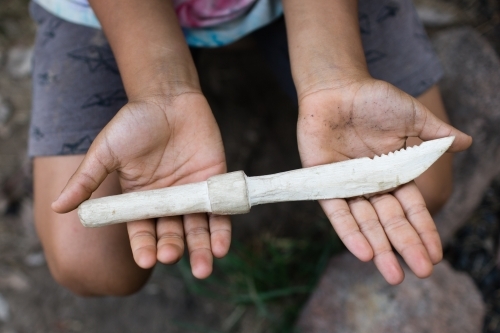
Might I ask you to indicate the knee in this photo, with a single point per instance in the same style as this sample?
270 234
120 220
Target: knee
89 262
436 184
85 279
69 275
436 196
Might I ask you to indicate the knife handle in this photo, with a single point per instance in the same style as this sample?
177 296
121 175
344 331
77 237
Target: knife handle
221 194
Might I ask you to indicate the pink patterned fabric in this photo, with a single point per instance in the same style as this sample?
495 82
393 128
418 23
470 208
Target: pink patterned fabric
207 13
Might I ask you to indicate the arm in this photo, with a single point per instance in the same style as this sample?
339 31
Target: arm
324 42
344 113
166 134
149 47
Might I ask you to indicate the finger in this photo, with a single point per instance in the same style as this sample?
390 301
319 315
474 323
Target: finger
401 234
170 239
416 212
86 179
383 256
220 234
428 127
142 235
198 243
345 226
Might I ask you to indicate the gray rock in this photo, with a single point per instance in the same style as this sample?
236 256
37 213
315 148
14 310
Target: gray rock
31 239
15 280
5 111
36 259
8 330
4 203
4 309
434 13
471 93
19 61
352 296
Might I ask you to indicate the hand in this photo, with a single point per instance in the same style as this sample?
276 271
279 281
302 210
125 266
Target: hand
154 143
365 117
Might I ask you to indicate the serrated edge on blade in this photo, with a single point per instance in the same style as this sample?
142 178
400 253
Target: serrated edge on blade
348 178
438 145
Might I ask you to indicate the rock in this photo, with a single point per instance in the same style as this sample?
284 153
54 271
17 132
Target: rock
352 296
434 13
5 111
4 203
470 90
30 237
4 309
5 114
14 281
19 61
8 330
35 259
71 325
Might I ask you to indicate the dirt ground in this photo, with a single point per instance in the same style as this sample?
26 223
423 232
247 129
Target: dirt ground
258 126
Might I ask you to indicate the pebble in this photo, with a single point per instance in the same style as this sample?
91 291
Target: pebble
8 330
19 61
14 281
31 239
36 259
438 14
5 111
4 309
5 131
72 325
4 203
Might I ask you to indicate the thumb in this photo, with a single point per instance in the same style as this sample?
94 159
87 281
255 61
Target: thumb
429 127
86 179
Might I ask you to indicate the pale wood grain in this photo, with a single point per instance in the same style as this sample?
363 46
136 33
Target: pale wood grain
235 193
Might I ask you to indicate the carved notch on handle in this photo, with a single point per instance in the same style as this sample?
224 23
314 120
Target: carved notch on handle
228 193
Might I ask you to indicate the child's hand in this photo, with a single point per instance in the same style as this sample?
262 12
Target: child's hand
154 143
363 117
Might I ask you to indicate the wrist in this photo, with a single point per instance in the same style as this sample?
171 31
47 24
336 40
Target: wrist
332 78
149 47
164 77
324 42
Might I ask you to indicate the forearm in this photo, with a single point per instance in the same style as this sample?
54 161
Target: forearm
149 46
324 42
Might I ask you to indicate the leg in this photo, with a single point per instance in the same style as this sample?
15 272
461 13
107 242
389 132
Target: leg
72 102
437 182
89 262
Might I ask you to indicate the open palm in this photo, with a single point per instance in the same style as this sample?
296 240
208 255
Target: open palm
367 117
155 143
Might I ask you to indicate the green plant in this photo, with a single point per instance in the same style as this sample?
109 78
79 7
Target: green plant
273 274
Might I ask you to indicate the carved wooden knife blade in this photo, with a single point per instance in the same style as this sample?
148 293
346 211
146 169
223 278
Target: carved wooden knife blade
235 193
